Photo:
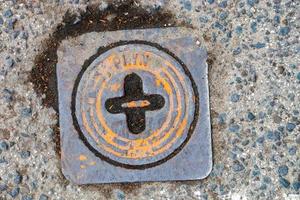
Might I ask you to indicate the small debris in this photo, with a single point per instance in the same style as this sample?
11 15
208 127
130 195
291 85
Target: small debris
235 98
283 170
7 13
284 182
14 192
290 127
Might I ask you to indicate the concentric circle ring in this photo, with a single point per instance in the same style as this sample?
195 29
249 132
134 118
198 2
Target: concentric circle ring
105 135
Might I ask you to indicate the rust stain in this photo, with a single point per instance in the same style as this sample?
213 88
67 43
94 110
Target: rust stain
115 87
82 157
136 104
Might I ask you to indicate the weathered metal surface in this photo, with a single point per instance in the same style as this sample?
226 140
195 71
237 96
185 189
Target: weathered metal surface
135 110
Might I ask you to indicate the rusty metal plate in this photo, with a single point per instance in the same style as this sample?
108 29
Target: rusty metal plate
136 109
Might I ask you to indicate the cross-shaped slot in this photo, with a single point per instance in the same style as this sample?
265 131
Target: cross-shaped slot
134 103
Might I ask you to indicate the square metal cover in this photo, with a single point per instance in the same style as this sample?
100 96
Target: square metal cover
134 106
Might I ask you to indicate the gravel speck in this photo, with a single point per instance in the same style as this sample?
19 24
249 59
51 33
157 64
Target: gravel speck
260 140
253 27
272 136
18 178
262 115
4 146
26 112
43 197
3 187
234 128
292 150
15 34
8 13
24 35
120 195
283 170
296 185
11 22
25 154
298 139
27 197
258 45
3 161
235 97
251 116
14 192
284 31
237 167
277 119
8 95
223 15
267 179
239 30
187 5
298 76
290 127
223 4
284 182
276 19
222 118
263 187
237 51
246 142
1 21
252 2
9 62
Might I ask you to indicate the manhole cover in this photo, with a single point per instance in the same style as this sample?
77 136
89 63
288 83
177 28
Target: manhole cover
134 107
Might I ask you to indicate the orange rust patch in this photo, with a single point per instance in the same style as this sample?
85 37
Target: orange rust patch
115 87
134 104
82 157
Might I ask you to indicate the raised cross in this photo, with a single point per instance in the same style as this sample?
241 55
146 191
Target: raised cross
134 103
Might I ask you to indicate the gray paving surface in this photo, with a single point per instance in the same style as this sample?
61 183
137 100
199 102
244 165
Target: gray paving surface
253 48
